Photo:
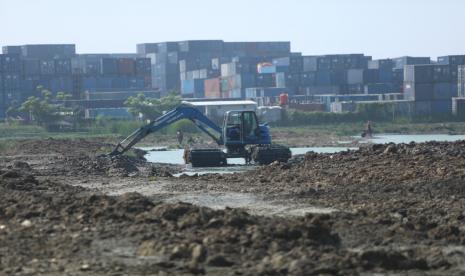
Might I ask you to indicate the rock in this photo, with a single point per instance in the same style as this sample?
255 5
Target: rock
26 223
147 248
179 251
390 149
85 267
219 260
21 165
198 253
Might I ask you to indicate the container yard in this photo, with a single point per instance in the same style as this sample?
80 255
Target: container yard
238 70
242 138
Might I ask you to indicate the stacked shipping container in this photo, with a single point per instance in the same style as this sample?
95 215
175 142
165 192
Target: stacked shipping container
434 85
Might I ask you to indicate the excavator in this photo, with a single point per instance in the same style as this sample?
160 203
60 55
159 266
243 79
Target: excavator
241 135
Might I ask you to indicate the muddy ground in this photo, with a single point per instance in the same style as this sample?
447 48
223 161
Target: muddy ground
397 209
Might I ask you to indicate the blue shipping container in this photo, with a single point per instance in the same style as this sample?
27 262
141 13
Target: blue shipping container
323 77
119 83
441 107
109 66
61 85
385 75
10 63
195 87
31 67
445 91
89 83
378 88
63 66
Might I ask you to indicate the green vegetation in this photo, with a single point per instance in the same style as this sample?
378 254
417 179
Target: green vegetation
152 108
355 128
41 109
381 113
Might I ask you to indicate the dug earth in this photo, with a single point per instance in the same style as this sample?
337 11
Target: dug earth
399 209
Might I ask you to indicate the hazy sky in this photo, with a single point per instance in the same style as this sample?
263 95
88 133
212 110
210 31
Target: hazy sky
381 28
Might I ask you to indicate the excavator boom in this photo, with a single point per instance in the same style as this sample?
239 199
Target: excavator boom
183 111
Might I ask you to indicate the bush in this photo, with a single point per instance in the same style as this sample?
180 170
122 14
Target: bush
184 125
382 112
295 118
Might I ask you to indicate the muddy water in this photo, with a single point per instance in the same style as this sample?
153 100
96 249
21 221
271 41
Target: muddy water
234 164
175 156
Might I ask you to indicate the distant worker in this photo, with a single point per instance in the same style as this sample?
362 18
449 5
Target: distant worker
368 130
179 136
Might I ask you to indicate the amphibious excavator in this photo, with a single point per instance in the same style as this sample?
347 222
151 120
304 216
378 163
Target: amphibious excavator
241 135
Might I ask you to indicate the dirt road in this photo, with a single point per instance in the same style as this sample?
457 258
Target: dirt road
395 209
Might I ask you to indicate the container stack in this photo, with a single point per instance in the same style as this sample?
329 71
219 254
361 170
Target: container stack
10 82
48 66
212 88
458 106
400 62
461 80
193 88
330 74
111 72
211 59
433 86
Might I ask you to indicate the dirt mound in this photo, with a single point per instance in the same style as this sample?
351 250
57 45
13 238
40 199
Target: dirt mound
121 166
66 229
400 211
382 169
80 157
79 146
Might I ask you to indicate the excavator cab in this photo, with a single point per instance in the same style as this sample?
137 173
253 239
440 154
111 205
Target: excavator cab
241 128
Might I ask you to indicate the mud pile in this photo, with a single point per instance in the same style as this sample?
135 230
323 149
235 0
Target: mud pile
432 169
400 211
78 146
50 227
80 158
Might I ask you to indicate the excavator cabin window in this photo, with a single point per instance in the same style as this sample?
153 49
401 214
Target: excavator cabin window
250 124
241 126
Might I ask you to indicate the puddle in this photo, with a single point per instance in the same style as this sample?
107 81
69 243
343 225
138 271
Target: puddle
253 204
175 156
219 170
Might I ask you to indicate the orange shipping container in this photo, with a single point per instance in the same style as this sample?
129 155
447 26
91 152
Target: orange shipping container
212 88
126 66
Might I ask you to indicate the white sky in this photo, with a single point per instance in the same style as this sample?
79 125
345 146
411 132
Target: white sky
381 28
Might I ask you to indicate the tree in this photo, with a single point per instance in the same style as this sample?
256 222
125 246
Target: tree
63 96
40 109
152 108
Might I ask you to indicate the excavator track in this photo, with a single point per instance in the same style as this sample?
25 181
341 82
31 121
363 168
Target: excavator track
267 154
205 157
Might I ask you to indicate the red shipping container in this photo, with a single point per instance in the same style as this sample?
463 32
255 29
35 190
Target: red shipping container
212 88
126 66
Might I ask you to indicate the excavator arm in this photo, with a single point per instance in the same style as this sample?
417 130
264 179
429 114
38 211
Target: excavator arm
183 111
